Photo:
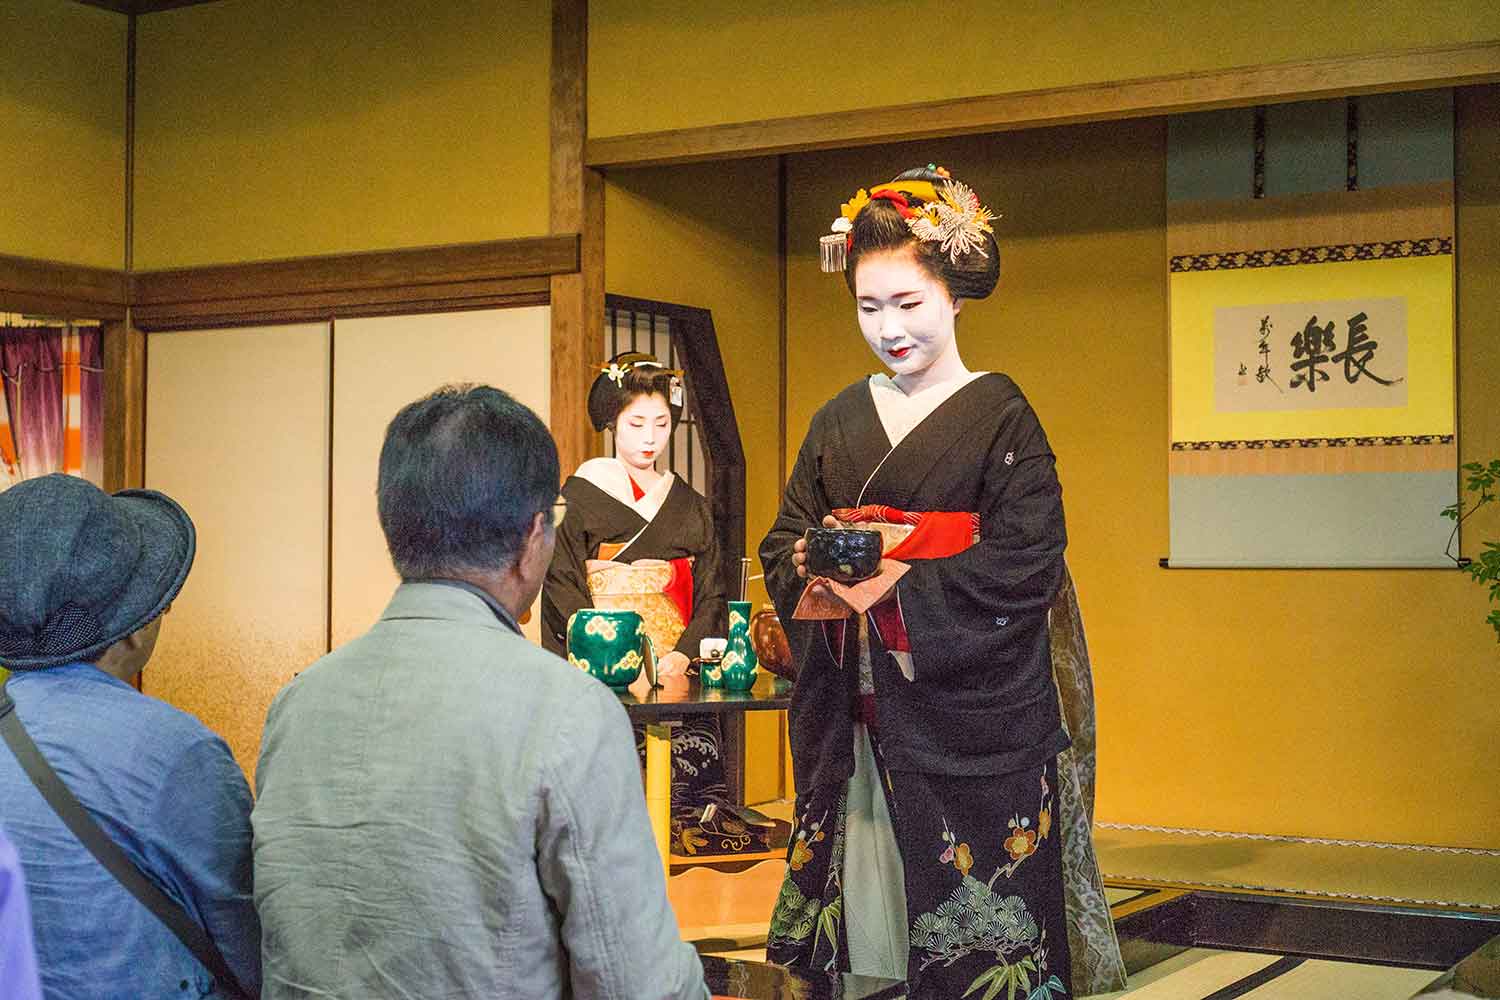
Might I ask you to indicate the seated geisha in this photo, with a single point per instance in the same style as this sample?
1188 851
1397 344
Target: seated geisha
641 539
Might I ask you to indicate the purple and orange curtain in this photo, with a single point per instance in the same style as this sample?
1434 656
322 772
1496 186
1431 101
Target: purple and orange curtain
52 417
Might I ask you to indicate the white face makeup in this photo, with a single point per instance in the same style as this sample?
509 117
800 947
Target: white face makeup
907 318
642 431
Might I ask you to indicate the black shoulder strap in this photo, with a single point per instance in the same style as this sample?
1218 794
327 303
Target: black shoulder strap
107 852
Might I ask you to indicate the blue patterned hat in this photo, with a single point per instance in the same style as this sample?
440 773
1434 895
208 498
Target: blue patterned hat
81 569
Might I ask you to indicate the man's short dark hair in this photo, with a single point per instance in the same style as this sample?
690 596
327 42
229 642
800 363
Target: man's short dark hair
462 473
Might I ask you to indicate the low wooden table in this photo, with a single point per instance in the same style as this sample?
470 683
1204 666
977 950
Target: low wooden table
663 707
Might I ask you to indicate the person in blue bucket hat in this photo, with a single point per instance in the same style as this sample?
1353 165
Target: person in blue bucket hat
131 818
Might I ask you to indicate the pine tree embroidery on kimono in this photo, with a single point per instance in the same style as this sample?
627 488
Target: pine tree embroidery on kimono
974 918
797 916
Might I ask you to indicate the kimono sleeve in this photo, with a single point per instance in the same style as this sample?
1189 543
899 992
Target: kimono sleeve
567 587
976 607
802 506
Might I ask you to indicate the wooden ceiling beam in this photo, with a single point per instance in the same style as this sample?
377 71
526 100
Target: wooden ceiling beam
1273 84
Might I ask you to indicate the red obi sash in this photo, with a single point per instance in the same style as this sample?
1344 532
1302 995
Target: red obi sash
680 588
935 534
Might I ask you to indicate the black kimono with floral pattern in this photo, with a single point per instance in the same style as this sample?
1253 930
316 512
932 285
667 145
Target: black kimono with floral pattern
967 749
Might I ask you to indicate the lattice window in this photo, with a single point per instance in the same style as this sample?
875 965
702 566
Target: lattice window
628 329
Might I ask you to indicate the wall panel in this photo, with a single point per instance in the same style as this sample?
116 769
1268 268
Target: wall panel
380 365
236 431
62 132
280 128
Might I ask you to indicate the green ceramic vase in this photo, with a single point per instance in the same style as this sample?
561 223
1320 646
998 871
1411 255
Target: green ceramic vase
612 645
736 670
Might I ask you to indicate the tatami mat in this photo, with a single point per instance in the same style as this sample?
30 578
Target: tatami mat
1199 973
1192 975
1317 980
1386 874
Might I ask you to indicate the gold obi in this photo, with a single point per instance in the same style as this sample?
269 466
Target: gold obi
639 587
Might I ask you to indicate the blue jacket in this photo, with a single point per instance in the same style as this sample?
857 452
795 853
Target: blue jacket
164 788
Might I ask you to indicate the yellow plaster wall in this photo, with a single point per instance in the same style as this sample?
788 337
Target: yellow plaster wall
282 128
706 236
62 132
660 64
1350 704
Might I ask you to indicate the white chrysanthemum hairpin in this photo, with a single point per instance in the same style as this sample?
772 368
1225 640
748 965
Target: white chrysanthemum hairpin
956 221
943 211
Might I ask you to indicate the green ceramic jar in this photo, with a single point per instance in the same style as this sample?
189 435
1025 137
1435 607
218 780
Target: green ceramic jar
612 645
736 670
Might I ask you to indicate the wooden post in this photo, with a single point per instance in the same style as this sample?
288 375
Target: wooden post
577 206
124 406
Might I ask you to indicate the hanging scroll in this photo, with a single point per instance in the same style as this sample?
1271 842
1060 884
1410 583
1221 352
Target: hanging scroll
1312 350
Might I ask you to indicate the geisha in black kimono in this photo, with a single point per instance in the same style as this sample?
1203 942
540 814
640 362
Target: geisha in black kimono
644 540
942 823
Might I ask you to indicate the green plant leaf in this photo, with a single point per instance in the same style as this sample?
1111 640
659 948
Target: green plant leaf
828 923
992 978
1045 990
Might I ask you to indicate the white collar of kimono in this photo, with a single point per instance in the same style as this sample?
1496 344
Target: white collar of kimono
611 476
901 414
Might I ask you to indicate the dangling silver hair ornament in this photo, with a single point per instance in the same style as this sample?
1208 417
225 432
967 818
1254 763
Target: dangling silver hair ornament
834 248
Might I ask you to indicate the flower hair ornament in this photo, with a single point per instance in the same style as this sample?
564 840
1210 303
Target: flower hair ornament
947 212
617 370
621 365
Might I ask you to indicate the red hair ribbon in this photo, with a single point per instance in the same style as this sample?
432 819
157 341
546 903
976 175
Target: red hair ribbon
896 198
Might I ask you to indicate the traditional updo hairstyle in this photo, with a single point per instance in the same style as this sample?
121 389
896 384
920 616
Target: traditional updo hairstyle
639 375
880 226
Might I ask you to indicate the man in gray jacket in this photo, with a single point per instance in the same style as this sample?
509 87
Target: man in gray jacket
445 809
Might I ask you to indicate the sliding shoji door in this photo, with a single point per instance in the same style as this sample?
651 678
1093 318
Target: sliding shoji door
270 437
237 432
380 365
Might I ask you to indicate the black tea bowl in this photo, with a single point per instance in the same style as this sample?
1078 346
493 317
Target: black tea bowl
847 555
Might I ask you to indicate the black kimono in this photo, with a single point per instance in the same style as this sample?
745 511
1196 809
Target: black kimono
682 528
966 748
